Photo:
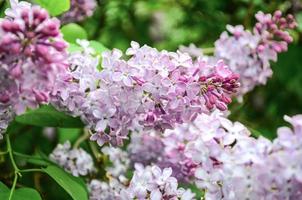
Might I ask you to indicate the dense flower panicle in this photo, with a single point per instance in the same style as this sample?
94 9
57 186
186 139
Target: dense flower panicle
105 190
32 53
158 90
167 150
76 161
250 168
151 89
79 10
156 184
249 53
175 143
147 183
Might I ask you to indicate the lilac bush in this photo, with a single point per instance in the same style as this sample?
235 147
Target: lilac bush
144 124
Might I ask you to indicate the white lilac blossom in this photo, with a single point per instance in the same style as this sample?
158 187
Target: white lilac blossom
32 53
155 184
79 10
152 89
147 183
119 162
76 161
105 190
251 168
249 53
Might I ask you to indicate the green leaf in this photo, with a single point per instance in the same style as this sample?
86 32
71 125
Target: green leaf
70 134
19 194
47 116
72 32
98 47
26 194
54 7
74 186
3 188
299 20
74 48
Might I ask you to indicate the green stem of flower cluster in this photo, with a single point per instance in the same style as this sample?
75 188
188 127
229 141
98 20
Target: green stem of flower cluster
81 139
17 171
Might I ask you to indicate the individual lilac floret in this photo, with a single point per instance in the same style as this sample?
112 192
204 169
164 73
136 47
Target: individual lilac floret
76 161
156 184
32 53
249 53
79 10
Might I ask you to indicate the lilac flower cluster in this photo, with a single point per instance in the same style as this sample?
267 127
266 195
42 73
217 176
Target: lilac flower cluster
79 10
147 183
76 161
106 190
152 89
250 168
175 143
156 184
249 53
32 53
230 164
167 150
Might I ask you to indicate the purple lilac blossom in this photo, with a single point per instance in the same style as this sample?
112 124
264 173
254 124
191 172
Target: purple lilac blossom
251 168
151 90
32 53
79 10
156 184
249 53
145 148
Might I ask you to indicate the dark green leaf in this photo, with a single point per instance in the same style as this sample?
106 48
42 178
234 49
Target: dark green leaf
19 194
54 7
47 116
3 188
74 186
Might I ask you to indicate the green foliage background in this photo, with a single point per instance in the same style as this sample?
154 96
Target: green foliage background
164 24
